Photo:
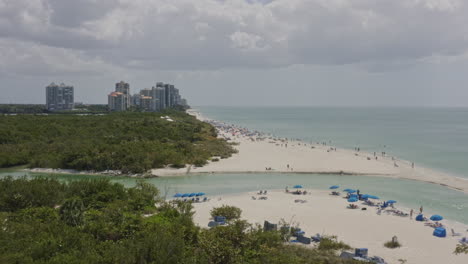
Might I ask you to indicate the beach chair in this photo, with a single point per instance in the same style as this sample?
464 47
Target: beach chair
463 240
455 234
205 199
316 238
304 240
254 198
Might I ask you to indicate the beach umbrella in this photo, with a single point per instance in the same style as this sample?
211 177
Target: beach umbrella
351 191
334 187
436 218
185 195
201 193
177 195
373 197
297 186
352 199
365 196
391 201
192 194
347 189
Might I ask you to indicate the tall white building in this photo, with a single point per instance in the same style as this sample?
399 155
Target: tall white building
120 100
59 97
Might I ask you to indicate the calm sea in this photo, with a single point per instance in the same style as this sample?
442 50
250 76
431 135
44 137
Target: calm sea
436 138
430 137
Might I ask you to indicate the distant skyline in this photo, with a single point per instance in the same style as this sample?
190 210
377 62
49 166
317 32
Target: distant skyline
240 52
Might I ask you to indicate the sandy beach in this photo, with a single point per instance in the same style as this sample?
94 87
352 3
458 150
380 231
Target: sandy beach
327 215
260 153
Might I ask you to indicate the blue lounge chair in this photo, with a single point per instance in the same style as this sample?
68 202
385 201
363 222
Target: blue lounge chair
440 232
316 238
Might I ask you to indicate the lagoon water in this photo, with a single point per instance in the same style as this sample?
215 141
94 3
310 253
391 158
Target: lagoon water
436 138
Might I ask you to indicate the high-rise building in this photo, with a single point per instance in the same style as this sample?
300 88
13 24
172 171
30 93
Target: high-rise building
158 95
59 97
145 92
120 100
146 103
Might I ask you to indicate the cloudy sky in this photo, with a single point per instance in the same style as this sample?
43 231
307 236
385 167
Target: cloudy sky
240 52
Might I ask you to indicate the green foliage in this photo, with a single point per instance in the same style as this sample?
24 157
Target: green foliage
392 244
100 222
230 212
72 212
331 243
461 249
129 142
22 108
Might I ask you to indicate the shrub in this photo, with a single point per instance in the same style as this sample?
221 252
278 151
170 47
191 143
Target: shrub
392 244
461 249
230 212
215 159
331 243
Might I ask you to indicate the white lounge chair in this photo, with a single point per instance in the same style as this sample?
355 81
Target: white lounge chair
455 234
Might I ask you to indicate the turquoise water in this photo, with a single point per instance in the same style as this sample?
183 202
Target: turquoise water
436 138
435 199
431 137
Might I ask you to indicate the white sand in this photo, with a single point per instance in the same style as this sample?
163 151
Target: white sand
327 214
255 156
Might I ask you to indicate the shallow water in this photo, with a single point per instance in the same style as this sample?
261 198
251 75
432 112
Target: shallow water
436 138
412 194
431 137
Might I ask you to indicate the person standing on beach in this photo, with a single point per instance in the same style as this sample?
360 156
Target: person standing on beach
412 165
411 214
420 209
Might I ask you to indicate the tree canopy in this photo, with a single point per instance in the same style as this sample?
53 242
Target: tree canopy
129 142
95 221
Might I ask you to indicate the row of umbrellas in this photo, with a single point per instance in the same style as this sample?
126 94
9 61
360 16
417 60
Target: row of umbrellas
179 195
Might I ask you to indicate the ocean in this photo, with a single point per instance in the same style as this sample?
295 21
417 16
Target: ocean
436 138
430 137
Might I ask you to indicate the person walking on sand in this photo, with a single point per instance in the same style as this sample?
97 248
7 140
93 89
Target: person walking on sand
412 165
420 209
411 214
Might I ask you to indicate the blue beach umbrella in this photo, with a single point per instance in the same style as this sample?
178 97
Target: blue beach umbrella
297 186
391 201
436 218
185 195
334 187
373 197
192 194
177 195
352 199
365 196
351 191
201 193
346 190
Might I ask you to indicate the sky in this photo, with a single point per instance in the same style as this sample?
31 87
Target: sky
240 52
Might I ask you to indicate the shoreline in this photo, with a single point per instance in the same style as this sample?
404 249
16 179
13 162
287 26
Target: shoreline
258 152
327 215
254 156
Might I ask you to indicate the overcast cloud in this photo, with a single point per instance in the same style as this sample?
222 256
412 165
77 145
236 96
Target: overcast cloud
240 52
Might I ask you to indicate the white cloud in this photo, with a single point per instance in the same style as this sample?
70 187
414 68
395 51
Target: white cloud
214 34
